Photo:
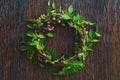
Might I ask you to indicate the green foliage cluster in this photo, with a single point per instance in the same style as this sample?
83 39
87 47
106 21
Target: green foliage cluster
43 27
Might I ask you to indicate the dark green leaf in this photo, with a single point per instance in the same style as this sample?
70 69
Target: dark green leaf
29 26
70 9
91 33
50 52
30 54
71 67
23 48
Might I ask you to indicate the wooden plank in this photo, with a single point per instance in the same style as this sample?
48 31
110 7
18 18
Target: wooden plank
102 64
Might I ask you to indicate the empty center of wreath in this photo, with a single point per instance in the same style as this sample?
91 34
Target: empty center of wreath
63 40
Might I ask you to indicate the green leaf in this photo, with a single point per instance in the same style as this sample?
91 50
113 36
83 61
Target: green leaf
50 34
49 3
95 40
70 9
88 23
23 48
66 16
32 20
41 24
91 33
97 34
40 46
96 29
30 34
33 43
76 17
81 55
30 54
60 9
50 52
41 36
86 48
53 5
29 26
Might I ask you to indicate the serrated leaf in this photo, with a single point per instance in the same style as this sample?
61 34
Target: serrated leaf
71 67
41 36
50 34
70 9
66 16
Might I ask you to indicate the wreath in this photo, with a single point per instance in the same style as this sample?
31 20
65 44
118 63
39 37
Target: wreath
43 27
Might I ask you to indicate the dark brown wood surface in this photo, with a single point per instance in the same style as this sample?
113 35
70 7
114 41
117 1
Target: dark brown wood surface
102 64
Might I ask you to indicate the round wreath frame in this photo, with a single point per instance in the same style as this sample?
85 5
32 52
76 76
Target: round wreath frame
42 27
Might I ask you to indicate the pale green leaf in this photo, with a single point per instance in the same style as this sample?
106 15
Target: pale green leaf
95 40
70 9
53 5
50 34
97 34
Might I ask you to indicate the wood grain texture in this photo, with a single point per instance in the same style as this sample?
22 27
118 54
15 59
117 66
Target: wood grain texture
102 64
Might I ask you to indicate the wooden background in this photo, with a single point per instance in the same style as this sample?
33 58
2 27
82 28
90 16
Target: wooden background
102 64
